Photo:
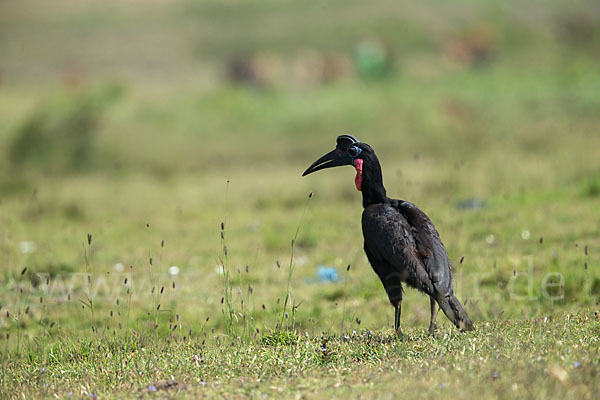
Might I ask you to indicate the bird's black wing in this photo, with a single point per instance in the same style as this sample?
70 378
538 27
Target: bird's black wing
404 237
431 249
391 247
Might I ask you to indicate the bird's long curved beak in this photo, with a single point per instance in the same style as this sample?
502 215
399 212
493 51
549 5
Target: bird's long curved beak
334 158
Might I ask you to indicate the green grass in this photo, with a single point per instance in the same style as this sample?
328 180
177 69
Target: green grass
543 358
172 150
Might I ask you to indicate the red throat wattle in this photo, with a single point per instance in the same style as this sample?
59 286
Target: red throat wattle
358 163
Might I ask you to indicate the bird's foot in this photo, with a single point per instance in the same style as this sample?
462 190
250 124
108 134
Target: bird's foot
432 329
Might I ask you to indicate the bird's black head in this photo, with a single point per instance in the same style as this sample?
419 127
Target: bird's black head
348 151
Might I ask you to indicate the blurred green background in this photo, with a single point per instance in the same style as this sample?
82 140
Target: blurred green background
126 120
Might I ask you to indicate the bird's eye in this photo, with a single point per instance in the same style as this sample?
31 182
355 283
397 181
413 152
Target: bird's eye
354 151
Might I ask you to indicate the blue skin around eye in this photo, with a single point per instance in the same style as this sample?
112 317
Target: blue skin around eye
354 151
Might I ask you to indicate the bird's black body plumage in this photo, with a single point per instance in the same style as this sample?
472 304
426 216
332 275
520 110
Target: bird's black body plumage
400 240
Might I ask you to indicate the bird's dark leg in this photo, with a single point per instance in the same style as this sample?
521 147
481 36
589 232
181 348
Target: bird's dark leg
434 311
398 312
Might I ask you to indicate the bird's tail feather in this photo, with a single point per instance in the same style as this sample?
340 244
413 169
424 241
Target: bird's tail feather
456 313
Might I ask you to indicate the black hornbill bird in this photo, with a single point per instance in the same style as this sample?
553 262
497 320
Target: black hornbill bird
401 242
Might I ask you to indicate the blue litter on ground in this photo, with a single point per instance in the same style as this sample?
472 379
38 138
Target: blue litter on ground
326 274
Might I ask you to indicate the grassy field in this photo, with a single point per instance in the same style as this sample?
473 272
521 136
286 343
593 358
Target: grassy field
149 198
